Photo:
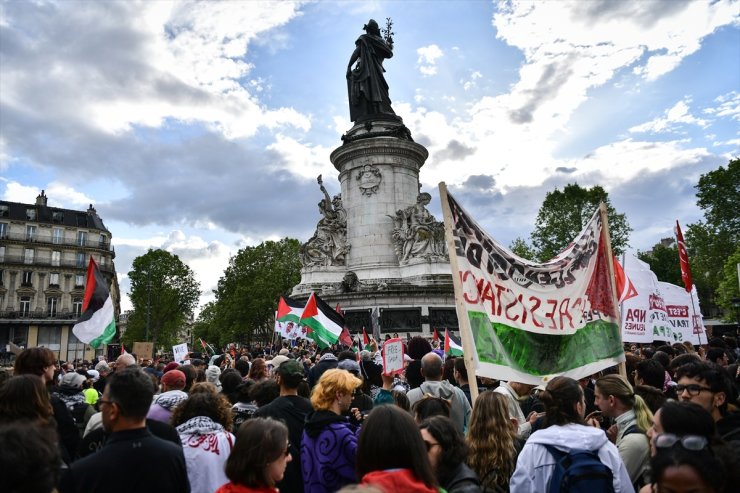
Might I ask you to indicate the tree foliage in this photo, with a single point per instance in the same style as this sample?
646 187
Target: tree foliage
248 292
522 248
164 293
663 261
563 215
712 241
729 291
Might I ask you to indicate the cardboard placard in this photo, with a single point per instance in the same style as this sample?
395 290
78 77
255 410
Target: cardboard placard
392 356
143 349
180 352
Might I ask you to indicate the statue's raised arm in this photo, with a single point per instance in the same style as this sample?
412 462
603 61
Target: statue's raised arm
366 85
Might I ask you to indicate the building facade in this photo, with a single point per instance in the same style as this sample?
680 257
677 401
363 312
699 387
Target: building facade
44 254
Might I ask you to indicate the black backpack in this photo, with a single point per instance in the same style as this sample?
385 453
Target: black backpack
579 471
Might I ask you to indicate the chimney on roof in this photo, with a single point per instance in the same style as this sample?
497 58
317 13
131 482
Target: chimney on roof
91 210
41 199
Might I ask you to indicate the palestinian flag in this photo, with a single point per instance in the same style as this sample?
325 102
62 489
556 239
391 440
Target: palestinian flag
365 340
452 345
97 325
435 336
324 323
289 311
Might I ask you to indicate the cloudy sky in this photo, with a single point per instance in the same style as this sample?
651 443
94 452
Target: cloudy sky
200 127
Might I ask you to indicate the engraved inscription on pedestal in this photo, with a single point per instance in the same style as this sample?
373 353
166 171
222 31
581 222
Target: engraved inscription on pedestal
400 320
443 318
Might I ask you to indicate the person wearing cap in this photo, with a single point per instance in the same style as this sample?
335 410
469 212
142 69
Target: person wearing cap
292 409
329 442
70 392
173 383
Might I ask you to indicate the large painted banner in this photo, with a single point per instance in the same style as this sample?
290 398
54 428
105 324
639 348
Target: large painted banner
644 316
684 313
530 320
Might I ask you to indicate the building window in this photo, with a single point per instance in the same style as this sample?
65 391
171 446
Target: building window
31 214
56 258
51 305
54 279
28 256
50 337
103 241
27 275
77 306
57 216
75 347
3 230
30 233
2 272
4 210
25 306
80 260
2 253
79 280
57 236
82 238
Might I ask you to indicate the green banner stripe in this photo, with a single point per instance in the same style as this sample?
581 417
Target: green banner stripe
108 333
322 336
290 317
543 354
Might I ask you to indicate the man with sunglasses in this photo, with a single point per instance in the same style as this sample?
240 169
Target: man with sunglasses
709 385
132 459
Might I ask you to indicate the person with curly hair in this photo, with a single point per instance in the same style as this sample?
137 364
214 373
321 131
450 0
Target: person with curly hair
258 370
203 422
492 438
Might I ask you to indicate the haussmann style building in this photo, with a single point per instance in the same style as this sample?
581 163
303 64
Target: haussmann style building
44 254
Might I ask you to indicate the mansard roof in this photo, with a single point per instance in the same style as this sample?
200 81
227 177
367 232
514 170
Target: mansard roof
51 215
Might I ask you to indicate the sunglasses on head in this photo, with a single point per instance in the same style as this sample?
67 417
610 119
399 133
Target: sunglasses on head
688 442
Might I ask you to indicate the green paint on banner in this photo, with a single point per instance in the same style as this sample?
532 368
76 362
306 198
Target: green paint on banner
543 354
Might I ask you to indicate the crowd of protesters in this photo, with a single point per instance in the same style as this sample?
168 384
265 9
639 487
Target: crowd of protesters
293 418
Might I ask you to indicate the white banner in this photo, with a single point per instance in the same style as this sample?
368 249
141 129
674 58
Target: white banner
644 317
180 352
291 330
685 319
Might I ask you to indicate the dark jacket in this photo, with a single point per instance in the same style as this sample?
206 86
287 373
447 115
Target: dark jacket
729 429
462 480
158 465
291 409
69 435
328 450
327 362
95 439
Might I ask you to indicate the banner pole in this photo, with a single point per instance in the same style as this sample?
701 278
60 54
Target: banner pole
693 311
466 333
606 235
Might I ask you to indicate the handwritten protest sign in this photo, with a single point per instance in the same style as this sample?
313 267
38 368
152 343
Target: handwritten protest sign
143 349
180 352
392 356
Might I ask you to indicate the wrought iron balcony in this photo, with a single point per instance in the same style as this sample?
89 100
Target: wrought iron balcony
49 239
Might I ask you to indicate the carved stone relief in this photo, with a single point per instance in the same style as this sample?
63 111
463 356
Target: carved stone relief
369 179
328 246
417 234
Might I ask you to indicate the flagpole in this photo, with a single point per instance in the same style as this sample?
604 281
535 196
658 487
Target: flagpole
466 333
606 235
693 311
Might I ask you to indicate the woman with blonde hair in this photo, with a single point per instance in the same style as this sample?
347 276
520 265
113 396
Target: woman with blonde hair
493 442
615 398
329 442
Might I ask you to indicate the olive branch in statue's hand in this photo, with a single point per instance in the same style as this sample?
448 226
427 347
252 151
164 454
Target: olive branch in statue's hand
388 32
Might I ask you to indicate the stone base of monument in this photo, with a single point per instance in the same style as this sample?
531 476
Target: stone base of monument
377 248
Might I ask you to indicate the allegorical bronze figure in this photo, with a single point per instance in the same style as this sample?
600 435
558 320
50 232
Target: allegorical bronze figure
366 85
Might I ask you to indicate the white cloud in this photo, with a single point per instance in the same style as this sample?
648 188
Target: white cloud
302 159
427 61
678 114
729 106
15 192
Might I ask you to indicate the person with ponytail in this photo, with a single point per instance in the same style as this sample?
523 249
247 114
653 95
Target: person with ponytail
615 398
564 429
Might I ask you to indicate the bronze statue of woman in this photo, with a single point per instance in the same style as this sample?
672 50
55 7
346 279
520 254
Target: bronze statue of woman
366 85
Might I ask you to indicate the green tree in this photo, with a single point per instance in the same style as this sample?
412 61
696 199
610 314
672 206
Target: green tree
664 263
564 214
522 248
712 241
164 293
248 292
729 291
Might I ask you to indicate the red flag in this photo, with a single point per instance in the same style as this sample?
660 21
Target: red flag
345 338
365 340
435 337
683 258
625 288
123 349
